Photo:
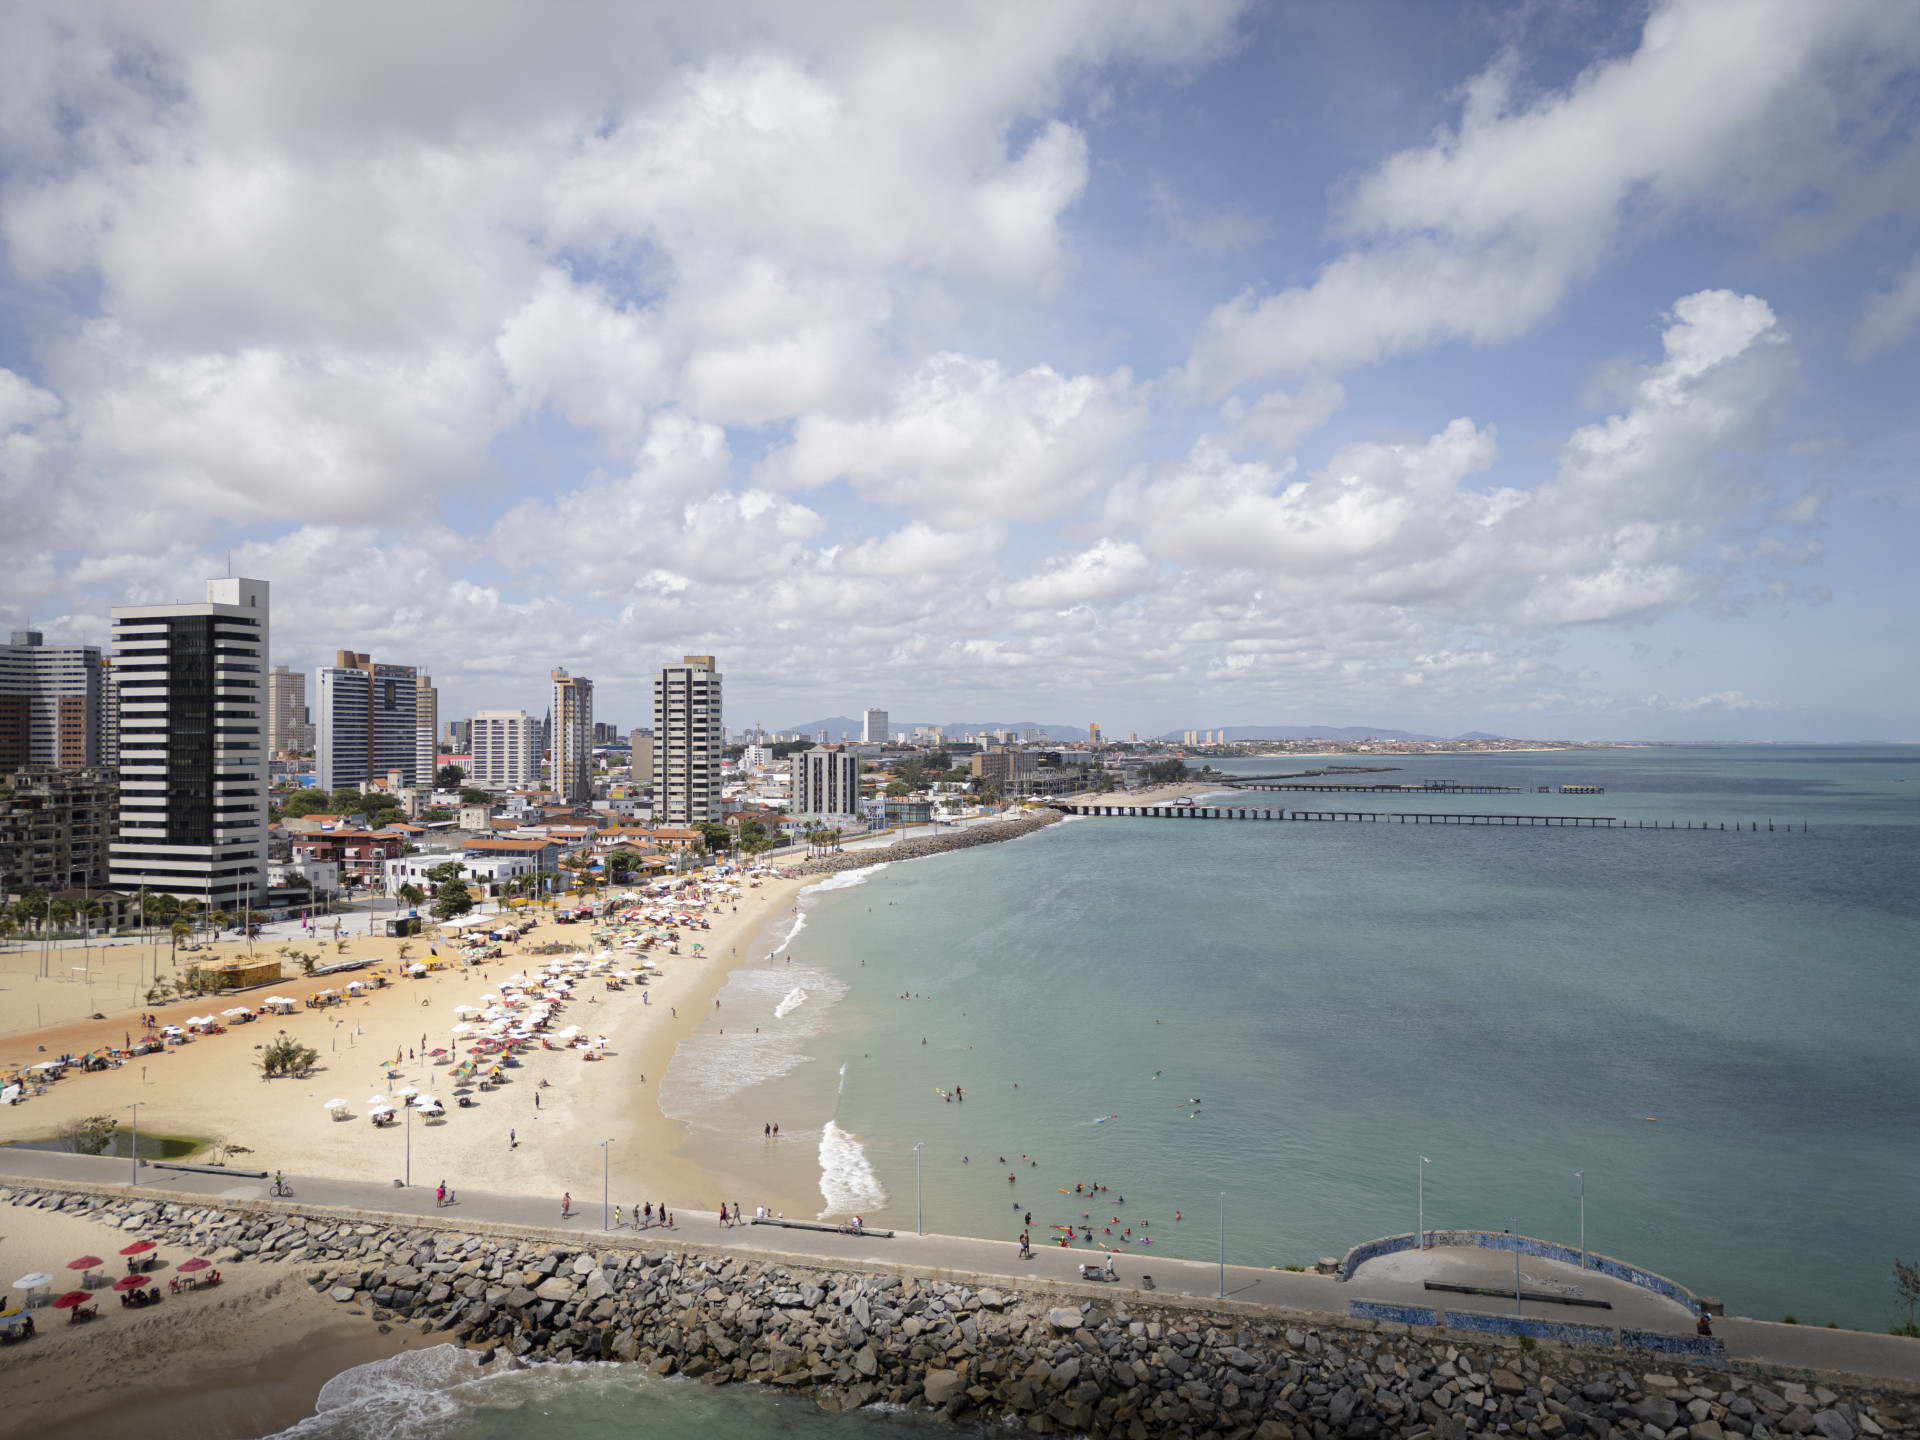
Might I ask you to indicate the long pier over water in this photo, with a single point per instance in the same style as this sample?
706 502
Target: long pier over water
1409 817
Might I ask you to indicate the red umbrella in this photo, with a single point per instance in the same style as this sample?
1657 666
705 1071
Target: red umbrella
188 1267
86 1262
131 1282
139 1247
71 1299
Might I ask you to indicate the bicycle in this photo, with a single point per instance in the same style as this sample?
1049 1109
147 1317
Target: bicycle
281 1187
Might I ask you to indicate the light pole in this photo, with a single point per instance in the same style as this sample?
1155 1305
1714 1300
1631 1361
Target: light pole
1223 1244
134 1149
606 1172
1421 1234
1517 1312
409 1144
1581 1176
919 1207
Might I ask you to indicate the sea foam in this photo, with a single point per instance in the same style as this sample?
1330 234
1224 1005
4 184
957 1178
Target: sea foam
846 879
847 1181
709 1067
792 1001
412 1395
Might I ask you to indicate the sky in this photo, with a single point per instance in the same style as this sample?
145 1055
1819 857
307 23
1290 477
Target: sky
1546 370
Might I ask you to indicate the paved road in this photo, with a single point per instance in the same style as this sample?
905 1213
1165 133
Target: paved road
1396 1280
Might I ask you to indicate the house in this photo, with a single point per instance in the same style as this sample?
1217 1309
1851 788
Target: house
362 855
544 854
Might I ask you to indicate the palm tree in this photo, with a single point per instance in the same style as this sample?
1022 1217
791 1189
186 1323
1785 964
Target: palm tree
412 894
219 920
178 931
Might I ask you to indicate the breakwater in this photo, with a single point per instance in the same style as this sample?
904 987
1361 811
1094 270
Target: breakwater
1060 1358
1012 828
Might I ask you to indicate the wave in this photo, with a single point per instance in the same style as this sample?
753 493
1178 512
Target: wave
411 1396
846 879
708 1067
847 1181
786 941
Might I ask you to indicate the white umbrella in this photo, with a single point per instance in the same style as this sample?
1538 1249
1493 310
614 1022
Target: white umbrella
416 969
379 1100
173 1030
467 1010
33 1281
462 1028
425 1102
237 1010
408 1093
335 1104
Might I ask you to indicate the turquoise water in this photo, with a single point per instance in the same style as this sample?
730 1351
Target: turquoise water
1343 998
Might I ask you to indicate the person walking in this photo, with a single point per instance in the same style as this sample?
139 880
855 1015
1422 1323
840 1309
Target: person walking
440 1195
566 1206
513 1138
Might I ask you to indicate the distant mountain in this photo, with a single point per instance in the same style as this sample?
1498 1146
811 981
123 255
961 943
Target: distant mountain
835 724
1481 735
1307 732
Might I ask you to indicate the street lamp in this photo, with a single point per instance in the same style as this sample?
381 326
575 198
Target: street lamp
1223 1244
409 1144
606 1171
134 1149
1518 1314
919 1207
1581 1176
1421 1234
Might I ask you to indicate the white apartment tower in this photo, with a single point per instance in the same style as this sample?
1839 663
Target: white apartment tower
504 757
570 737
826 781
52 702
686 741
873 728
193 758
366 725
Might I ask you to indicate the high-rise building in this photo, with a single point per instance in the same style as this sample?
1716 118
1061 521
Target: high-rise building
503 753
571 737
641 769
193 759
288 728
426 756
873 728
459 733
365 727
55 826
1093 731
686 741
51 702
426 710
826 781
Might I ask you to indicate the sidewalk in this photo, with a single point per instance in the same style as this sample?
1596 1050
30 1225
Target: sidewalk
1787 1346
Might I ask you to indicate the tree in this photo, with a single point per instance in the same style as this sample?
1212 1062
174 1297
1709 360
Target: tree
454 899
307 802
622 863
412 894
448 777
718 837
285 1055
754 837
447 870
475 797
219 920
1906 1284
87 1135
1165 772
176 932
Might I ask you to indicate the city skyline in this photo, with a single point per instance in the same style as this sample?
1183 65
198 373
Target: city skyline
1440 368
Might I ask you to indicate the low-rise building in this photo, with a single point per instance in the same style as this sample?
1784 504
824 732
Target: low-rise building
362 855
544 854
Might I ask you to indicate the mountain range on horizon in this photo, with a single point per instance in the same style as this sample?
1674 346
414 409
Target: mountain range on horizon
836 725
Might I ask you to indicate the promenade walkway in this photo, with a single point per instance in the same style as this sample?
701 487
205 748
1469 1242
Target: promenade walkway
1393 1280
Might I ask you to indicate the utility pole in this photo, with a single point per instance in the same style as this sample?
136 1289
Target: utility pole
134 1149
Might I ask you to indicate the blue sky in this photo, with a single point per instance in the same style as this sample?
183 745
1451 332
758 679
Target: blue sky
1542 370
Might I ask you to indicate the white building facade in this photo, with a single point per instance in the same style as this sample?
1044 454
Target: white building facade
504 753
873 728
570 742
686 742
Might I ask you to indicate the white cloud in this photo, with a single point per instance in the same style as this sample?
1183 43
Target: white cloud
961 438
1888 317
1106 570
1479 235
1396 529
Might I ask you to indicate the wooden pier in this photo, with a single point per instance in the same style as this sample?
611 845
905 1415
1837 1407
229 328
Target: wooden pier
1430 787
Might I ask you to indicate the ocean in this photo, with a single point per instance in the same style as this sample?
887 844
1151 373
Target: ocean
1274 1023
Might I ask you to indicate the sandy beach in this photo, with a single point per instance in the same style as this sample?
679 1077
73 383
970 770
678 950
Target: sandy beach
520 1137
245 1358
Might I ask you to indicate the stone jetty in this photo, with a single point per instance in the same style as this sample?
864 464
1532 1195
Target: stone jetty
1012 828
1082 1360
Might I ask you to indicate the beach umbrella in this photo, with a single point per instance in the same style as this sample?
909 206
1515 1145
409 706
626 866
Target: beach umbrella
407 1092
71 1299
172 1030
237 1010
131 1282
188 1267
139 1247
462 1028
86 1262
38 1280
335 1104
378 1100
